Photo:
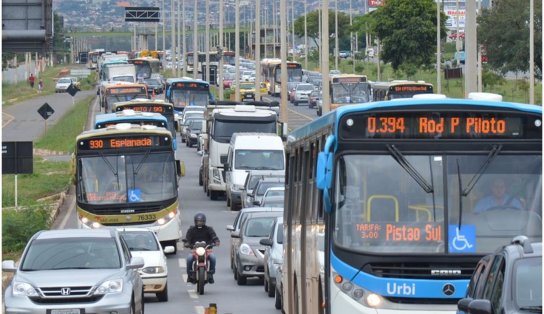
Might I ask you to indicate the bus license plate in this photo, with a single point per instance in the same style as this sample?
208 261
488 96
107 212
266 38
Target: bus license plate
67 311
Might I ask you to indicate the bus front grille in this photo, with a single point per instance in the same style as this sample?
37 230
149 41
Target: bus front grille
413 270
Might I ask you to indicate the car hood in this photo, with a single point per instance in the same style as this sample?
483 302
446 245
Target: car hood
254 242
151 258
68 277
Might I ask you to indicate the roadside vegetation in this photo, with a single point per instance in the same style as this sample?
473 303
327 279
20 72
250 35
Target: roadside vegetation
39 192
17 92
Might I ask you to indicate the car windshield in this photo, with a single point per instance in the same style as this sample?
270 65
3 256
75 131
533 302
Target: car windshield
152 82
247 86
275 192
71 253
275 201
349 93
266 185
223 129
259 227
383 207
528 283
65 81
140 240
305 87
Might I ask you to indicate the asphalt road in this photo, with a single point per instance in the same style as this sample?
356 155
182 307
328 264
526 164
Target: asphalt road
183 298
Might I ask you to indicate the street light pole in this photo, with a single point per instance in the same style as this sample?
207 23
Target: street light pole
221 46
336 34
207 44
163 19
184 45
237 50
532 52
173 36
257 50
438 50
195 40
179 44
305 34
325 56
283 57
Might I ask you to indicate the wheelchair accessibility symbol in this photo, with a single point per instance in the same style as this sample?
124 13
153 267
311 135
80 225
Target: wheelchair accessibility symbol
134 195
462 240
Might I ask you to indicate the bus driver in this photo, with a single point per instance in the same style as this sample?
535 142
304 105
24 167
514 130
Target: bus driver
498 198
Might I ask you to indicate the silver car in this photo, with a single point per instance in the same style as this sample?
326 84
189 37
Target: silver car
235 227
75 271
249 256
273 256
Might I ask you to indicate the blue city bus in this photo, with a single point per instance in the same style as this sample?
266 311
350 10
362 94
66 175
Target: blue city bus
133 117
183 92
381 197
153 106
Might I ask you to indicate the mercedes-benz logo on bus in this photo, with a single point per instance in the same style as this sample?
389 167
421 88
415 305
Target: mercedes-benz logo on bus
65 291
448 289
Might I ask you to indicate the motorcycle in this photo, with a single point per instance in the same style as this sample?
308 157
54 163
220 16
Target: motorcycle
201 264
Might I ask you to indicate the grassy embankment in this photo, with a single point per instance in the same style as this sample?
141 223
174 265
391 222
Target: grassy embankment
39 192
14 93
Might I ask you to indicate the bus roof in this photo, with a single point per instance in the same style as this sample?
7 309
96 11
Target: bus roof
124 128
125 115
184 79
143 101
109 85
399 82
333 116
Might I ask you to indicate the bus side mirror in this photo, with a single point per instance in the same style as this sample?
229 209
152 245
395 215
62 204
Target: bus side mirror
176 126
180 168
324 178
283 131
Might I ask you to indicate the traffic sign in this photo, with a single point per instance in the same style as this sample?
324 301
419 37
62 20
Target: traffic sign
46 111
72 90
17 157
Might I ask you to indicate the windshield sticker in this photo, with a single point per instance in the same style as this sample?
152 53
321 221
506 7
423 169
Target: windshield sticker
134 195
462 240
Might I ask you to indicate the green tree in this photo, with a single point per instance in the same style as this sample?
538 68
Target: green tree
312 28
504 31
407 32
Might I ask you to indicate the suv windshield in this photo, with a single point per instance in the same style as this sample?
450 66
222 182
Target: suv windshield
258 159
528 283
71 253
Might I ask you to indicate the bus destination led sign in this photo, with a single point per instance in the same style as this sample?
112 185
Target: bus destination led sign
400 233
144 108
349 80
126 90
411 88
190 85
123 142
446 125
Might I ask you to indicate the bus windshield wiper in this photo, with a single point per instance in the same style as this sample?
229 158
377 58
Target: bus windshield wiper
492 154
535 308
406 165
114 171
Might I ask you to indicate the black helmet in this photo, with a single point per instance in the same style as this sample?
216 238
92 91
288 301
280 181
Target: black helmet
200 220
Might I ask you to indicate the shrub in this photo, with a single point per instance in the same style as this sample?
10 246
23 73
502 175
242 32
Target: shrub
19 225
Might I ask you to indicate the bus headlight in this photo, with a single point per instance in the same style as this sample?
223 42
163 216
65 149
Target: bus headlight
373 300
166 219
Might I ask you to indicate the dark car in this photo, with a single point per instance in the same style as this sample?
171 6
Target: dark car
508 281
193 130
154 84
315 95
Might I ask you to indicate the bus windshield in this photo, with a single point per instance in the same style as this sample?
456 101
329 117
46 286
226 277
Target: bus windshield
381 208
348 93
126 178
185 97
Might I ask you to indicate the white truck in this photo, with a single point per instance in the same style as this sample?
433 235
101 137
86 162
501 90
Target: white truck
119 72
223 121
248 152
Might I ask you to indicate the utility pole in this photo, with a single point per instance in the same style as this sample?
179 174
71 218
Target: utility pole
293 28
336 34
180 45
438 50
195 40
470 72
532 52
173 36
257 49
207 43
163 19
306 34
352 51
326 102
221 48
184 45
275 28
237 50
283 57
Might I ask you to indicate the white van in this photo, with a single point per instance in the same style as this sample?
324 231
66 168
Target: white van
247 152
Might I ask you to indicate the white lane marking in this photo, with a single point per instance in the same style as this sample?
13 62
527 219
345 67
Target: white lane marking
8 120
67 215
200 309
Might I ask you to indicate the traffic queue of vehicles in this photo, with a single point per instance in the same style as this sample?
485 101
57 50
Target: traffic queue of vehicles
243 159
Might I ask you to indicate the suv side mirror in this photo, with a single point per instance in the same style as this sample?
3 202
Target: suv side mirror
462 305
136 262
480 306
266 242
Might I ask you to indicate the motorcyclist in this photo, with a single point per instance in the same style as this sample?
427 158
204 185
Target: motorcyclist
200 232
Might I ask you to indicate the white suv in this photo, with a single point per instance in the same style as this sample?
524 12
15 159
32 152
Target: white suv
302 93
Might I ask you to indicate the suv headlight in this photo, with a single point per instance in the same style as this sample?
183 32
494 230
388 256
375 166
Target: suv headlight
23 289
246 250
110 287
